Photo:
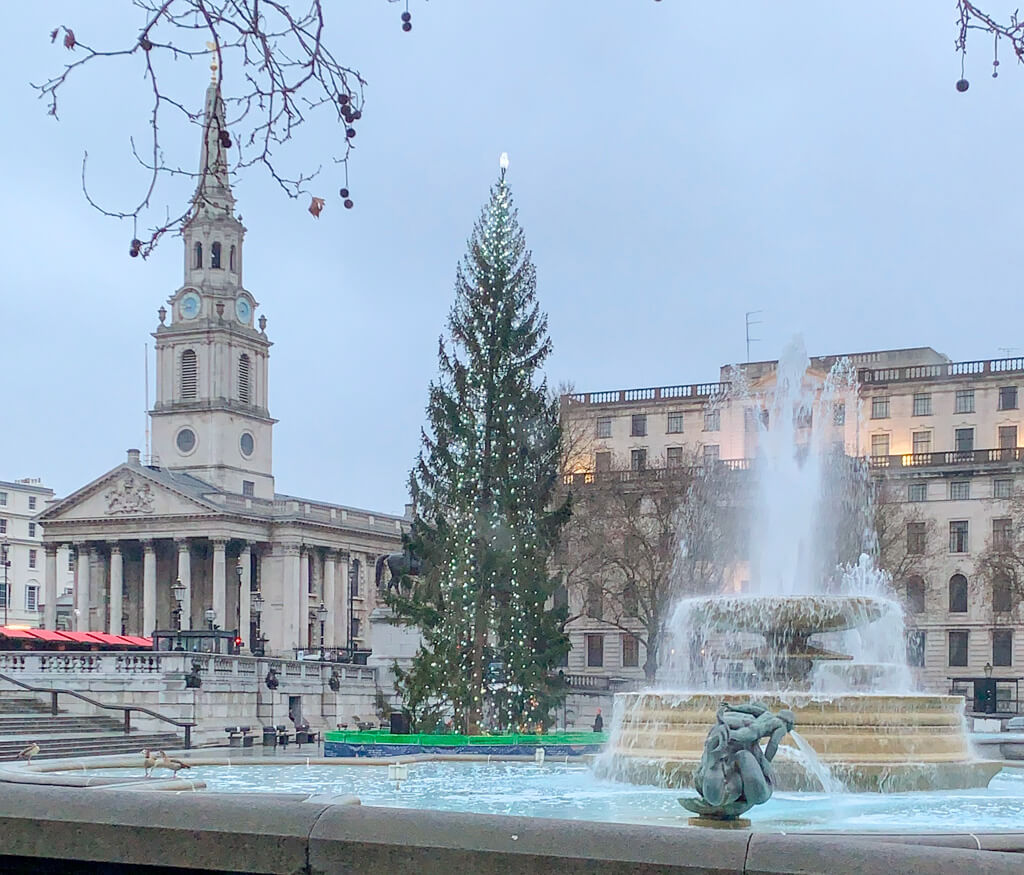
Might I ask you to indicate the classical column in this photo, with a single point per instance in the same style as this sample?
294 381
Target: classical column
304 598
116 588
185 576
81 623
148 588
245 597
50 587
329 559
219 574
344 620
290 598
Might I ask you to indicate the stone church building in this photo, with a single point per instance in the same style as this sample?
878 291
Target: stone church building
205 511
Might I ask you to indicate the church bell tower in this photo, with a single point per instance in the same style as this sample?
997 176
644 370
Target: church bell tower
211 418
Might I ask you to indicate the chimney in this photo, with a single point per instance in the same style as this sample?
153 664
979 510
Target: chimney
133 458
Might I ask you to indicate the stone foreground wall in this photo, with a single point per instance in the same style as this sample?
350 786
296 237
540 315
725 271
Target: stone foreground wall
285 834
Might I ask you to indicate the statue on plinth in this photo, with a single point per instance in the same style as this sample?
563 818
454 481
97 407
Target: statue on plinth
735 774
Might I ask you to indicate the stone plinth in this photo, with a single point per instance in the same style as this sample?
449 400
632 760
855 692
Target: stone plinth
876 743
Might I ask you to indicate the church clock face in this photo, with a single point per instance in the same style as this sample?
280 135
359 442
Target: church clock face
190 304
243 310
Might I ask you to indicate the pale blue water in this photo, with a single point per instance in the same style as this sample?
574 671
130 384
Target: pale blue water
571 791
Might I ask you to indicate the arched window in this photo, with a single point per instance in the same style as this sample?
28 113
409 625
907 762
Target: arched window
915 595
231 258
958 594
189 375
215 255
197 260
243 378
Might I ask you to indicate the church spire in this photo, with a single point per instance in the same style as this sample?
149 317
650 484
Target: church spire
213 193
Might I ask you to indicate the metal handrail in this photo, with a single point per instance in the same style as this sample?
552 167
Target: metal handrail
54 693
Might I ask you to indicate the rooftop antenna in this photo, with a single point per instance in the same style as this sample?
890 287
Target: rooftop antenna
1008 351
148 456
751 322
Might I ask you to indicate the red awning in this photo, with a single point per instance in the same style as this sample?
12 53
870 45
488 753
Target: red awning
137 640
15 633
80 637
50 635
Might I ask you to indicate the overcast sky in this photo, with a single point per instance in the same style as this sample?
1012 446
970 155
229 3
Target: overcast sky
674 164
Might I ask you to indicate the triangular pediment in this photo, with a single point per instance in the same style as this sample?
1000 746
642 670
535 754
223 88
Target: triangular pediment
128 492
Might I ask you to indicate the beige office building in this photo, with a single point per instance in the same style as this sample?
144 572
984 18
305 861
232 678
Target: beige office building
946 437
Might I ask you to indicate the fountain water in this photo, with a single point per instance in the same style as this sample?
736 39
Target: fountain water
811 575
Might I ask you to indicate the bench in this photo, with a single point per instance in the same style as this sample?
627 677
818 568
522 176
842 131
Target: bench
307 736
283 735
239 736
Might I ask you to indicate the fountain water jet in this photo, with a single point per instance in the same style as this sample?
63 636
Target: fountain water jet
811 575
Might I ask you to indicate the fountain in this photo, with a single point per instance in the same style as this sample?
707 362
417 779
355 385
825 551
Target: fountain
849 687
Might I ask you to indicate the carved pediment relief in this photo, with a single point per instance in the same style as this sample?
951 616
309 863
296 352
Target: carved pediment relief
131 495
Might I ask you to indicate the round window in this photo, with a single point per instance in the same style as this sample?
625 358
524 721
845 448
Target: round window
186 440
246 444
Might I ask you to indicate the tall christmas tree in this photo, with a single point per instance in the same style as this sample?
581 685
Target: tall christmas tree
483 487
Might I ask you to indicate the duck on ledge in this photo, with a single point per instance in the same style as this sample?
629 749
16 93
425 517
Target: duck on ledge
148 761
29 752
174 765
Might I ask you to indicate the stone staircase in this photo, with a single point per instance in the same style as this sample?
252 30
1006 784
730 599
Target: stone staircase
24 719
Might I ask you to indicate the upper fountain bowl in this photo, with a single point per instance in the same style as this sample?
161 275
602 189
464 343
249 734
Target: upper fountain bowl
797 616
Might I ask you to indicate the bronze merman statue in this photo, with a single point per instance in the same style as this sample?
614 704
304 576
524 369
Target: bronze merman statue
735 774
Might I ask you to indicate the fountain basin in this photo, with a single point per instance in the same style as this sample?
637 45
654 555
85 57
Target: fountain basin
787 616
872 743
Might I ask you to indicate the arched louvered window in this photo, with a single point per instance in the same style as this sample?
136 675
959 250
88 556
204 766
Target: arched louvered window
243 378
198 257
958 594
231 258
189 375
215 255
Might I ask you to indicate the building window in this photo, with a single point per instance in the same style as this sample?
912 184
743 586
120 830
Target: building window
31 502
958 536
355 628
839 413
215 255
246 444
917 492
963 440
710 453
712 420
958 647
71 560
604 427
31 530
32 555
880 407
197 255
231 258
353 578
3 499
639 425
964 401
243 378
916 537
674 457
958 594
1007 437
185 441
5 588
1002 647
595 650
189 375
879 445
31 597
675 423
915 648
3 526
630 651
603 462
595 600
922 404
1002 533
915 594
1002 488
638 460
1002 595
959 490
1007 397
561 597
248 488
922 442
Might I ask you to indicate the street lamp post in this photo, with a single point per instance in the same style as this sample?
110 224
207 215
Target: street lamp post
238 574
178 591
257 609
4 552
321 613
210 615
